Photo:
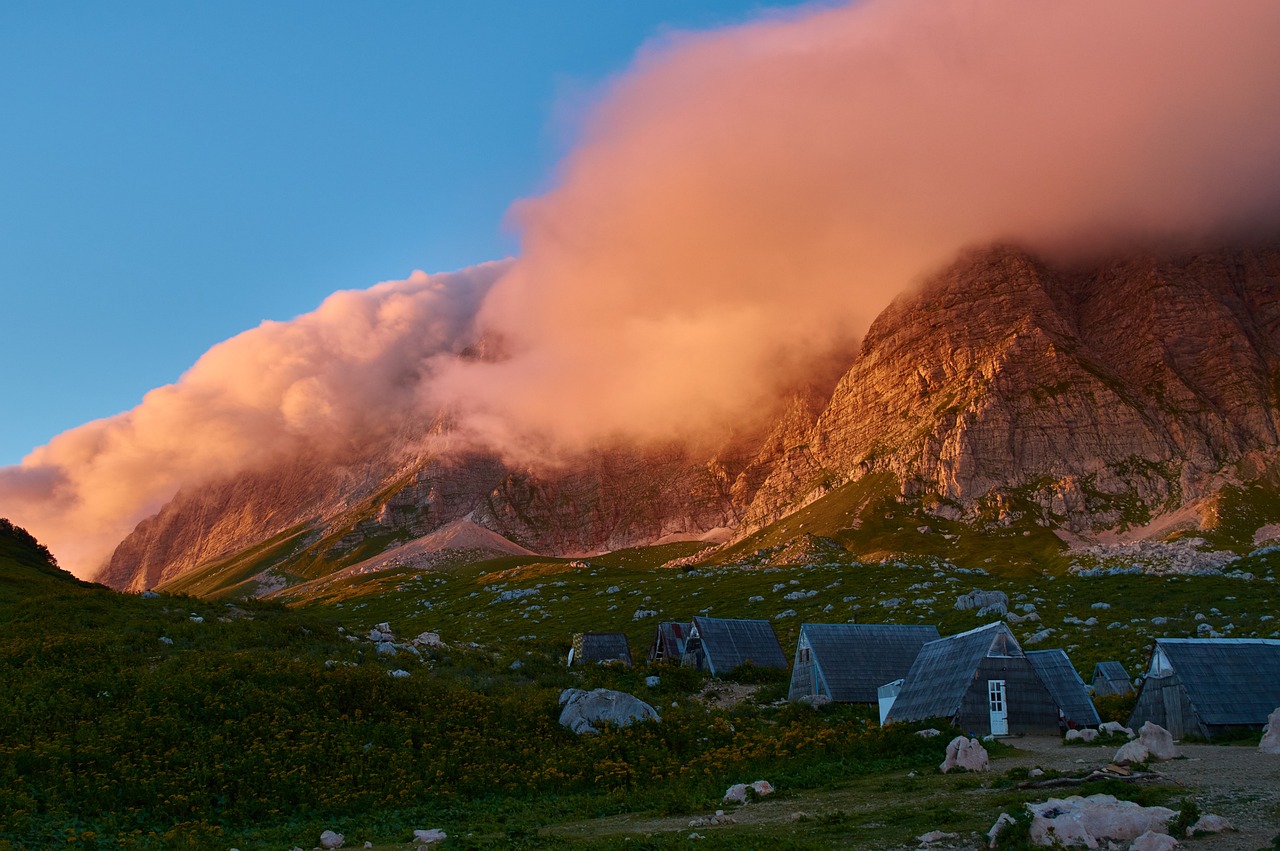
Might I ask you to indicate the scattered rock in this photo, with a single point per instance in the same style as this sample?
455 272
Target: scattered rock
1001 823
968 754
164 639
929 733
386 648
196 619
585 709
329 839
399 674
1036 772
1115 727
1088 734
1153 841
712 821
1210 823
429 639
652 681
150 595
988 602
1131 753
1072 736
936 836
738 792
1271 735
428 837
1158 741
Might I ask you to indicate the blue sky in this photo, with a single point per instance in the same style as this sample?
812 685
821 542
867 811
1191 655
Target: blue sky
174 173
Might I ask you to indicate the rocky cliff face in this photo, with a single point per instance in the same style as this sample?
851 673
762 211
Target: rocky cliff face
1086 392
1003 386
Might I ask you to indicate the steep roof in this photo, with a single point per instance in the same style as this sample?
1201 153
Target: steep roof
940 675
1063 682
669 638
1228 680
855 659
1113 676
729 643
601 647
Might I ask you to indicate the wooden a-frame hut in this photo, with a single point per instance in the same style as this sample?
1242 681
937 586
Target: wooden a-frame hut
848 662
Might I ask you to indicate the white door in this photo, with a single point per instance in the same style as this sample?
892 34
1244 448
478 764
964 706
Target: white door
999 708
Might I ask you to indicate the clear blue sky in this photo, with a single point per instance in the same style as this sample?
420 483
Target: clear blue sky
173 173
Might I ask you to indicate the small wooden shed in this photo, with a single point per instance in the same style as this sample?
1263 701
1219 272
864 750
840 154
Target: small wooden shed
848 662
979 680
1111 678
590 648
718 645
1209 686
668 642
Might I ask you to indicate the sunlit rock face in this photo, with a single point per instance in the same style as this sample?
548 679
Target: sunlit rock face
1005 384
1135 378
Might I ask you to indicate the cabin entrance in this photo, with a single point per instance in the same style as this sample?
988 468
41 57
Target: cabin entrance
999 708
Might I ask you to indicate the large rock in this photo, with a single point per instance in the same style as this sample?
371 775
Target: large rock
1271 735
330 839
583 710
1158 741
1084 822
989 602
968 754
1130 753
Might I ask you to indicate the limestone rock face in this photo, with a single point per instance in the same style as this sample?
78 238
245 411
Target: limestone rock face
1137 377
1005 386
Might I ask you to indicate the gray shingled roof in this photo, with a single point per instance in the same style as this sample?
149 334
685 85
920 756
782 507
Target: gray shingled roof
1063 682
1229 680
855 659
672 634
1114 674
601 647
729 643
938 679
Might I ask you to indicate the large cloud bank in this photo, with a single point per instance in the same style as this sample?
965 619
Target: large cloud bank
741 203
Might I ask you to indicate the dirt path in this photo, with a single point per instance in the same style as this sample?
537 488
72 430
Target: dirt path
1236 782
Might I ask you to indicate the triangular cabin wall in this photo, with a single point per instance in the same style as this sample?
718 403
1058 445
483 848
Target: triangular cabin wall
805 678
1031 708
1162 700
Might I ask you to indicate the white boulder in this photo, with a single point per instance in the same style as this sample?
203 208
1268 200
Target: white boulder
1114 727
929 733
968 754
1158 741
1077 821
1088 734
762 788
429 639
1271 735
936 836
329 839
429 837
583 710
993 834
1209 823
1153 841
737 794
1072 736
1130 753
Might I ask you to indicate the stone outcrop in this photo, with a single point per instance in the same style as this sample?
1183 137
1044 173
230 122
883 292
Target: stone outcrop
584 710
1005 387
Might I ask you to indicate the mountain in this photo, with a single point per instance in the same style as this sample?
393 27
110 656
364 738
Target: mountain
1006 391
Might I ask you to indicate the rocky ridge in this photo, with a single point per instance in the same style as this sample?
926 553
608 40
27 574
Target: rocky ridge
1005 388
